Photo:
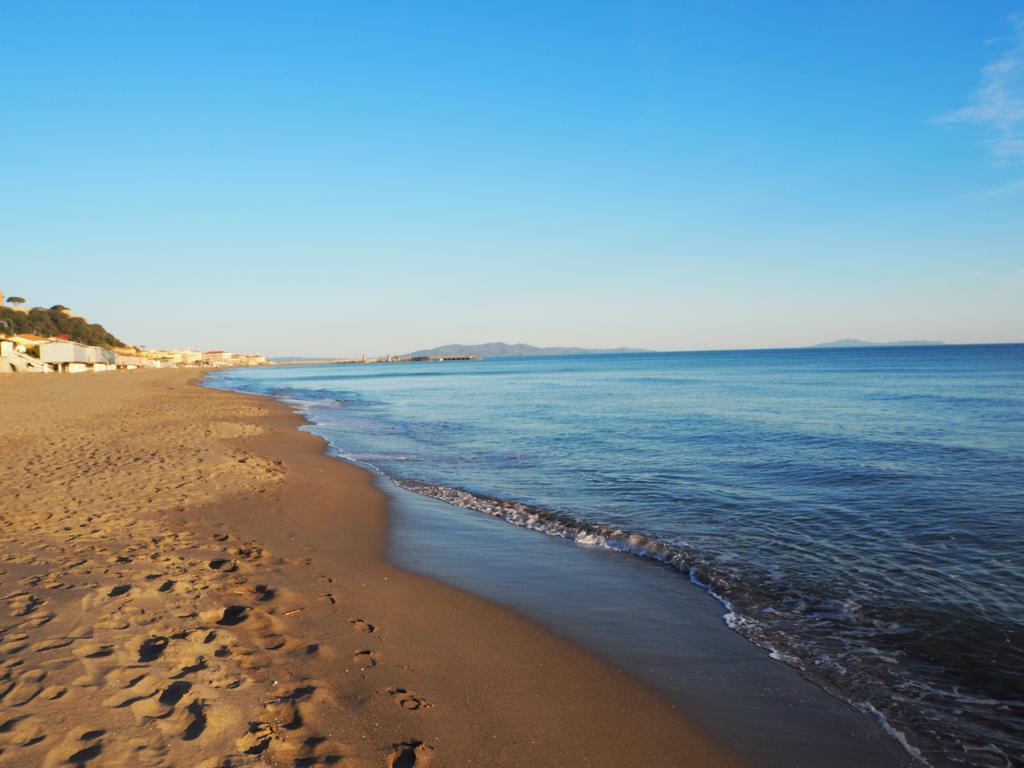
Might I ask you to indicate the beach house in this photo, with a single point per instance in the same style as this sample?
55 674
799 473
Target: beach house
72 357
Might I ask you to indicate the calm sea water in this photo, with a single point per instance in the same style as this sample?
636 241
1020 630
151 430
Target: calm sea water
860 512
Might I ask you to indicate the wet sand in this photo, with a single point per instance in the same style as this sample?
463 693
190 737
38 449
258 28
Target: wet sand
186 579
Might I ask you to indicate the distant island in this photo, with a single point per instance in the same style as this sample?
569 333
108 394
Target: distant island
862 343
501 349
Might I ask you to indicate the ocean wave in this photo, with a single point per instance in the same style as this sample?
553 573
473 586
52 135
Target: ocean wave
554 523
831 642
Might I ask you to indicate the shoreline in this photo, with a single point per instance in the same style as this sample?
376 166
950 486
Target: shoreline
674 643
331 654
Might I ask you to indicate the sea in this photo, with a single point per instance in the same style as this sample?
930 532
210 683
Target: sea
857 512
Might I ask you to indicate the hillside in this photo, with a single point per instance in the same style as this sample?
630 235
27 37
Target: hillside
55 322
861 343
501 349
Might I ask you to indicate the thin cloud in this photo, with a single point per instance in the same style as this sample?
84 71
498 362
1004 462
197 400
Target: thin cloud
1007 190
997 105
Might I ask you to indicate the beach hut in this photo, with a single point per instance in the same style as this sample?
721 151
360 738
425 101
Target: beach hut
72 357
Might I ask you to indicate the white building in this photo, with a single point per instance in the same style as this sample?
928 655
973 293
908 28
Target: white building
72 357
13 359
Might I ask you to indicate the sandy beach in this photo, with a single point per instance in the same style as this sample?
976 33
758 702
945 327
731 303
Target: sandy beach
186 579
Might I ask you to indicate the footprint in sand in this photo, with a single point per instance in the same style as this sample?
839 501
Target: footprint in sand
23 604
196 712
362 626
24 690
282 735
163 706
365 659
138 689
407 700
234 614
22 731
256 739
249 551
283 712
264 593
172 694
152 648
78 748
408 754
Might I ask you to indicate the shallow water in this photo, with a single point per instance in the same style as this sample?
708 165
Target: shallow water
859 512
643 617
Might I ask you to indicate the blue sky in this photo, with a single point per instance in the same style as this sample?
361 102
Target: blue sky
340 178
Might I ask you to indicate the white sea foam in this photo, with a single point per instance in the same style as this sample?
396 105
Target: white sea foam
901 737
606 537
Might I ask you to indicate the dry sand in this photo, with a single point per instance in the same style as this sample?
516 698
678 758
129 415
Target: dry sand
186 579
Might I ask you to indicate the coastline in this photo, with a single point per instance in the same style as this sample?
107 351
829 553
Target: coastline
635 613
322 651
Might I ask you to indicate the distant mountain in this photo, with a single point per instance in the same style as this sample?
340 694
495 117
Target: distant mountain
501 349
861 343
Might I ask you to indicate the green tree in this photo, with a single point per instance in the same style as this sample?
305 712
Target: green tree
15 300
59 308
53 322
